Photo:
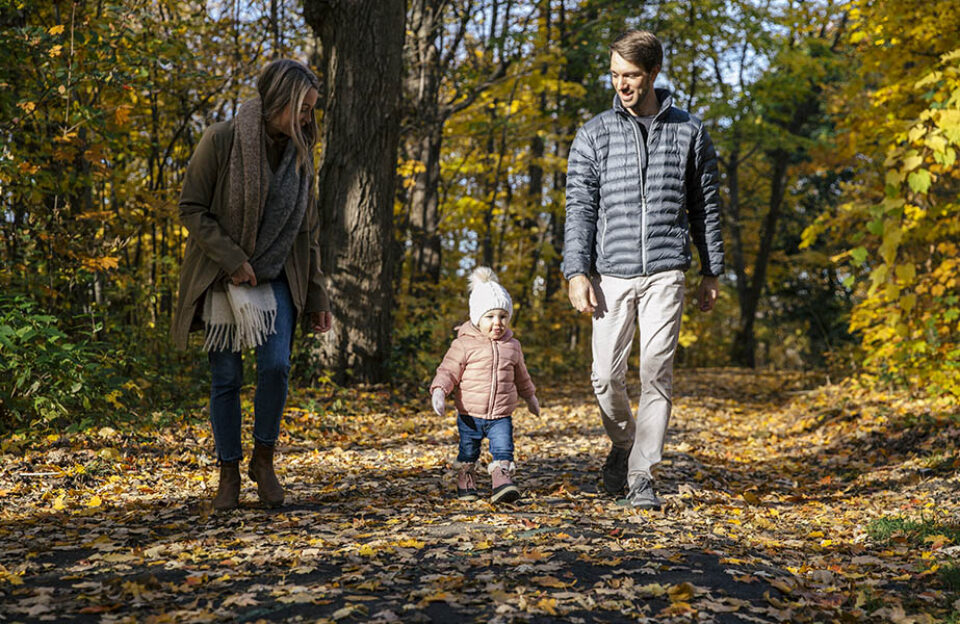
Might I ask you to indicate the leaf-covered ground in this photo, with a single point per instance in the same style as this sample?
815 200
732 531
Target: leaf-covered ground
786 502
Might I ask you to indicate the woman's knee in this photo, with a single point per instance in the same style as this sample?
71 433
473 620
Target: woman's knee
274 368
226 374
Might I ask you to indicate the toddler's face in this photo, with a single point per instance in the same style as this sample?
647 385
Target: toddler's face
494 323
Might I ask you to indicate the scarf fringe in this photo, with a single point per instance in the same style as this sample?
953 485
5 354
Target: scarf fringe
240 318
220 337
255 325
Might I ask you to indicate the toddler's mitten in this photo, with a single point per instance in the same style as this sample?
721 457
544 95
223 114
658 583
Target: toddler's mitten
439 401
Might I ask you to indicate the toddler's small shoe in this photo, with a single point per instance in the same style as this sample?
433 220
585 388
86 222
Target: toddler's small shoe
466 480
504 489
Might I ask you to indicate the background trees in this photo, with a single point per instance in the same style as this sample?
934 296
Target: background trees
445 138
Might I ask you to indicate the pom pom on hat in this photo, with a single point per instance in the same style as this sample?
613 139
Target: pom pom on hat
487 294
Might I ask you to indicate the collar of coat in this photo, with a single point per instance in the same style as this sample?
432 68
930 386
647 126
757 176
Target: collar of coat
664 97
471 330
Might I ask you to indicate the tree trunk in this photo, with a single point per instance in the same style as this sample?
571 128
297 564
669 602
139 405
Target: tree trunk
745 342
363 46
424 143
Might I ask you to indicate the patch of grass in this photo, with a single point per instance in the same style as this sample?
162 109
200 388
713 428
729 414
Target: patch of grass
914 531
950 577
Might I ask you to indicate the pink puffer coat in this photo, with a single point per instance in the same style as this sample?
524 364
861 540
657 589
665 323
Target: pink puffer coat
485 376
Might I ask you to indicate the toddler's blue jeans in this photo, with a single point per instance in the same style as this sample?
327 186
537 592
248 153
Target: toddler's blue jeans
273 368
474 430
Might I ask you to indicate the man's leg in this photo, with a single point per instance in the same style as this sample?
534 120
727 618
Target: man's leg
613 329
660 309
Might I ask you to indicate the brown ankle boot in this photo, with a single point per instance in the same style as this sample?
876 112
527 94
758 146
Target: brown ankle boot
228 492
261 471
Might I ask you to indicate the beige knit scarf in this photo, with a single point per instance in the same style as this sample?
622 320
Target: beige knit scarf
240 317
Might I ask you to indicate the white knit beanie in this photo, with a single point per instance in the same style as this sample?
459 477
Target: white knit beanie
487 294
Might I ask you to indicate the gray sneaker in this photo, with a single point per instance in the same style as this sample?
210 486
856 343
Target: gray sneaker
642 496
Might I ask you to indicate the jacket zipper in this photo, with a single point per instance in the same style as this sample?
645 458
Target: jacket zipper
643 200
493 381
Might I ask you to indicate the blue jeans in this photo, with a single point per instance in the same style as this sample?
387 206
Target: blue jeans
273 368
474 430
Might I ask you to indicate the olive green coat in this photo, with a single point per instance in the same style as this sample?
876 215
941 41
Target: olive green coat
211 255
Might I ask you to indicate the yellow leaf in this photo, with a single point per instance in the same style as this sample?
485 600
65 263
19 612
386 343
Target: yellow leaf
109 453
58 503
122 114
439 596
782 586
56 30
677 608
681 593
654 590
548 605
94 501
549 581
911 162
751 498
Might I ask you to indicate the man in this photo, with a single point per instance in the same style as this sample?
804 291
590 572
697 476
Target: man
642 180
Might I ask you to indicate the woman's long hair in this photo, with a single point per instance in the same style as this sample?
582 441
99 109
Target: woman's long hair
283 83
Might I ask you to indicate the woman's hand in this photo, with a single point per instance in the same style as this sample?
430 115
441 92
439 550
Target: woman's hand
321 322
244 275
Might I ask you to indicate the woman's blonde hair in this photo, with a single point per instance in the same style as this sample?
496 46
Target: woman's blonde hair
284 83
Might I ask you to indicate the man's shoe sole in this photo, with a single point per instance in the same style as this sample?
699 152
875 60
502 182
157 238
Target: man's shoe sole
625 502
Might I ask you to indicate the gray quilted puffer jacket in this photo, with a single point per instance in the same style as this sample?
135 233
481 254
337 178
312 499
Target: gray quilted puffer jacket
632 206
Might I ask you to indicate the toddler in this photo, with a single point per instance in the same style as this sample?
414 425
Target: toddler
484 370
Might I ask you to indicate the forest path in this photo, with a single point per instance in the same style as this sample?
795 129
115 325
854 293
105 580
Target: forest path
786 501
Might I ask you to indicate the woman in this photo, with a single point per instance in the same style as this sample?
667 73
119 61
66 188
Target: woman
252 262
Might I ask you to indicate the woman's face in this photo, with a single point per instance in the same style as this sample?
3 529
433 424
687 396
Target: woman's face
281 123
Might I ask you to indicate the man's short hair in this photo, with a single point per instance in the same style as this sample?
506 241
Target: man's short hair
640 47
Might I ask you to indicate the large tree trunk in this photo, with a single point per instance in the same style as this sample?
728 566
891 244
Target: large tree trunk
362 45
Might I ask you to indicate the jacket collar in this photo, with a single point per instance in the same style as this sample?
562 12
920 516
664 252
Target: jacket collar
664 97
469 329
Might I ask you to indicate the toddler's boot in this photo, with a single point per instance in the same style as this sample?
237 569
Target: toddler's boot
504 489
466 480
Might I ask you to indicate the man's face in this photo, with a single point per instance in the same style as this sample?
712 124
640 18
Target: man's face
632 82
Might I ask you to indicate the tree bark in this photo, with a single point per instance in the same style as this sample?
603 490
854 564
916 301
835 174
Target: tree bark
362 45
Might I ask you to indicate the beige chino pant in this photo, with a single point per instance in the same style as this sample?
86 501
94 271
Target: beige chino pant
654 304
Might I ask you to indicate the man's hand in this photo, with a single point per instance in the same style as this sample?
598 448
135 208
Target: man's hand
707 292
244 275
581 294
321 322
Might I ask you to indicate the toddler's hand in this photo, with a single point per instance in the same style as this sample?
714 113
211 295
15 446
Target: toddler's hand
534 405
439 401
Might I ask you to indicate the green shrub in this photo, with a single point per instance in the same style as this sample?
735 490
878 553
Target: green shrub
47 377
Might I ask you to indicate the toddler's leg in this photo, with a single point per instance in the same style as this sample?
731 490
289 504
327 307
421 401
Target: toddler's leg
466 465
502 468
